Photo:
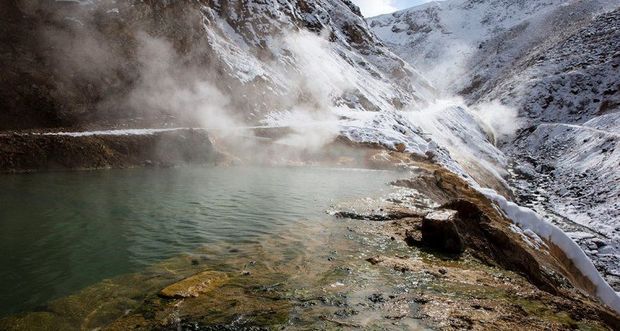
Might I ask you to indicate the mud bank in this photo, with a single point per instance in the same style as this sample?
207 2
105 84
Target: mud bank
54 152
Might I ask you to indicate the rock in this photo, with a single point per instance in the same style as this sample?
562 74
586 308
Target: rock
376 298
195 285
439 232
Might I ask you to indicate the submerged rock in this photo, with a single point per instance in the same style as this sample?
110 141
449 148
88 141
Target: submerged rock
195 285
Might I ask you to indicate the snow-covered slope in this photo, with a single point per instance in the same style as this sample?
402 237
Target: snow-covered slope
556 63
231 63
570 94
460 44
108 59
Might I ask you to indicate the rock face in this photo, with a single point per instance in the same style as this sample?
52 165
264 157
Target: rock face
73 63
439 232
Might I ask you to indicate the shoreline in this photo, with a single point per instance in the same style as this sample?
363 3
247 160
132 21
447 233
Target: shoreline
382 236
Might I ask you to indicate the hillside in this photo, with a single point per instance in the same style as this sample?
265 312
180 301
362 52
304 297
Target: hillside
75 63
555 63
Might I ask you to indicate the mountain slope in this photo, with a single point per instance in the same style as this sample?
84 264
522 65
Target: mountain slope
75 62
310 65
556 64
461 44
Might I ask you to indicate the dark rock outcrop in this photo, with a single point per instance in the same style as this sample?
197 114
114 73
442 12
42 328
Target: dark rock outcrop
439 231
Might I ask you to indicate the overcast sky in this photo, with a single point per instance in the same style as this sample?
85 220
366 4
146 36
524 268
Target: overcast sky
372 8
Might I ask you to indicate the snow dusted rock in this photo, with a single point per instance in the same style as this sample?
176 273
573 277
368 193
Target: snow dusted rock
191 59
571 93
556 63
462 45
569 81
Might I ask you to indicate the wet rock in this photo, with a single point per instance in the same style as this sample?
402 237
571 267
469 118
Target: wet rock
347 312
377 216
440 232
195 285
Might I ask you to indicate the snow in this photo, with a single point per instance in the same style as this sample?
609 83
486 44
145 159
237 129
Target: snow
556 62
266 49
529 220
120 132
440 37
530 237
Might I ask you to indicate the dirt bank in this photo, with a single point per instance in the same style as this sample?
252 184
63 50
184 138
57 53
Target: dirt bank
54 152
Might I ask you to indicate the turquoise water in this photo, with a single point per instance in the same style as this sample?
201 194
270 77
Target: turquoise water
60 232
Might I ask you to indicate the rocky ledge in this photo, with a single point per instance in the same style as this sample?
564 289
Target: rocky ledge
55 151
439 213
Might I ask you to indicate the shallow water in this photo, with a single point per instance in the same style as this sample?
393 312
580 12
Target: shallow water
60 232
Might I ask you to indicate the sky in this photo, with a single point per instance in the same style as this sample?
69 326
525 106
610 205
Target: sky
372 8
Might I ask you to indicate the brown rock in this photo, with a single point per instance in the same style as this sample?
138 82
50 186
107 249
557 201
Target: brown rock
440 232
195 285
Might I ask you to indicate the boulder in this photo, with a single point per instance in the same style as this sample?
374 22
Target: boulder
195 285
439 232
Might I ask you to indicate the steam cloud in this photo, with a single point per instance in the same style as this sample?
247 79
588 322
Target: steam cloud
164 83
319 76
167 85
504 121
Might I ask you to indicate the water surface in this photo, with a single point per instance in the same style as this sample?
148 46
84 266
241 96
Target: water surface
60 232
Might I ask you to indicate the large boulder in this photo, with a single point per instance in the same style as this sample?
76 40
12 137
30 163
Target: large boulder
194 286
439 231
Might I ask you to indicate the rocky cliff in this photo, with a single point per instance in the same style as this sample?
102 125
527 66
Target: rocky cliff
76 63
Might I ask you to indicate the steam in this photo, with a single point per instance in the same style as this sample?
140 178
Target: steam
448 66
469 134
150 77
167 85
316 82
319 77
504 121
322 75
